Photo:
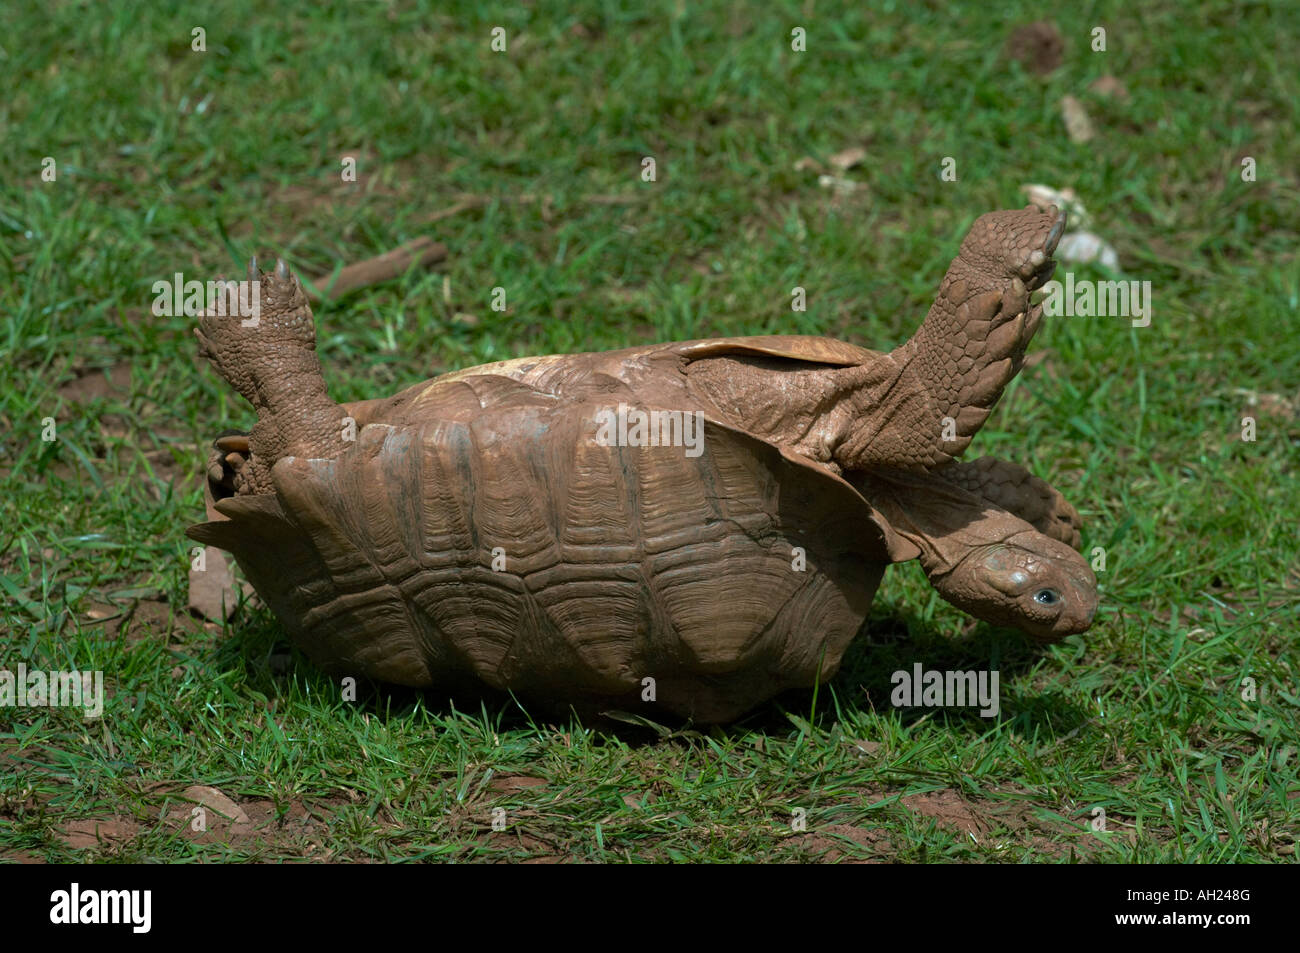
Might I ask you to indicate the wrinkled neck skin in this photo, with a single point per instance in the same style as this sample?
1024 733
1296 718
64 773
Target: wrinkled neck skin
983 559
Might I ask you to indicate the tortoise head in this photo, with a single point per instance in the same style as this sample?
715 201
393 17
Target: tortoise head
1028 582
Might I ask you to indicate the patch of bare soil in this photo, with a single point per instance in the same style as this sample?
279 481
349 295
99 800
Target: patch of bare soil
512 783
831 844
167 451
145 619
1039 47
948 808
96 383
297 830
19 857
537 850
104 832
1004 822
205 815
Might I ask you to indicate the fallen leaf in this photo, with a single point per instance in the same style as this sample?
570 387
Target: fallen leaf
507 783
1077 124
1109 87
839 185
865 747
848 158
213 799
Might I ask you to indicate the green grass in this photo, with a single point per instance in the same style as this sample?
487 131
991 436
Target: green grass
171 160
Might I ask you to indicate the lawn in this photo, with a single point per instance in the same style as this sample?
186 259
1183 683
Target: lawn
1167 733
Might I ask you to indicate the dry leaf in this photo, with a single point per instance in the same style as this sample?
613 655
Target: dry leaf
848 158
1109 87
1077 124
214 800
865 747
841 186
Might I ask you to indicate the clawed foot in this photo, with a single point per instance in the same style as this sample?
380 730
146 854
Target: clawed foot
249 323
261 338
228 465
1015 244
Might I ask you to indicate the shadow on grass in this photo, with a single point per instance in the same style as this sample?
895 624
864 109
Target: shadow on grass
887 643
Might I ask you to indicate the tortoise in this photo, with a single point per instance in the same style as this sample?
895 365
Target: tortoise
692 526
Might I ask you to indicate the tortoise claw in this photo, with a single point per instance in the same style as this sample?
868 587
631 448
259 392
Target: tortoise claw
232 441
1058 229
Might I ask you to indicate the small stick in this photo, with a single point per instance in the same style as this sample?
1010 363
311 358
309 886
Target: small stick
466 201
423 251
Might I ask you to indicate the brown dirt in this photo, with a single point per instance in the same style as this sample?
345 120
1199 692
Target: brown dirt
511 783
298 827
104 832
948 808
145 619
96 384
116 435
828 845
1109 87
1013 820
1039 47
298 831
20 857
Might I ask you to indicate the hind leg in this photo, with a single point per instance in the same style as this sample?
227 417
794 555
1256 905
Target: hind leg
269 356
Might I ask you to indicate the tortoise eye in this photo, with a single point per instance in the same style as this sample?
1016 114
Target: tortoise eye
1047 597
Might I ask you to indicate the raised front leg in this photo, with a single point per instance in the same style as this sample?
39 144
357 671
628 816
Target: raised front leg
929 397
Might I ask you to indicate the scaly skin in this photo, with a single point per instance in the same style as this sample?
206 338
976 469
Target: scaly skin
992 539
972 342
1016 490
274 366
984 560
